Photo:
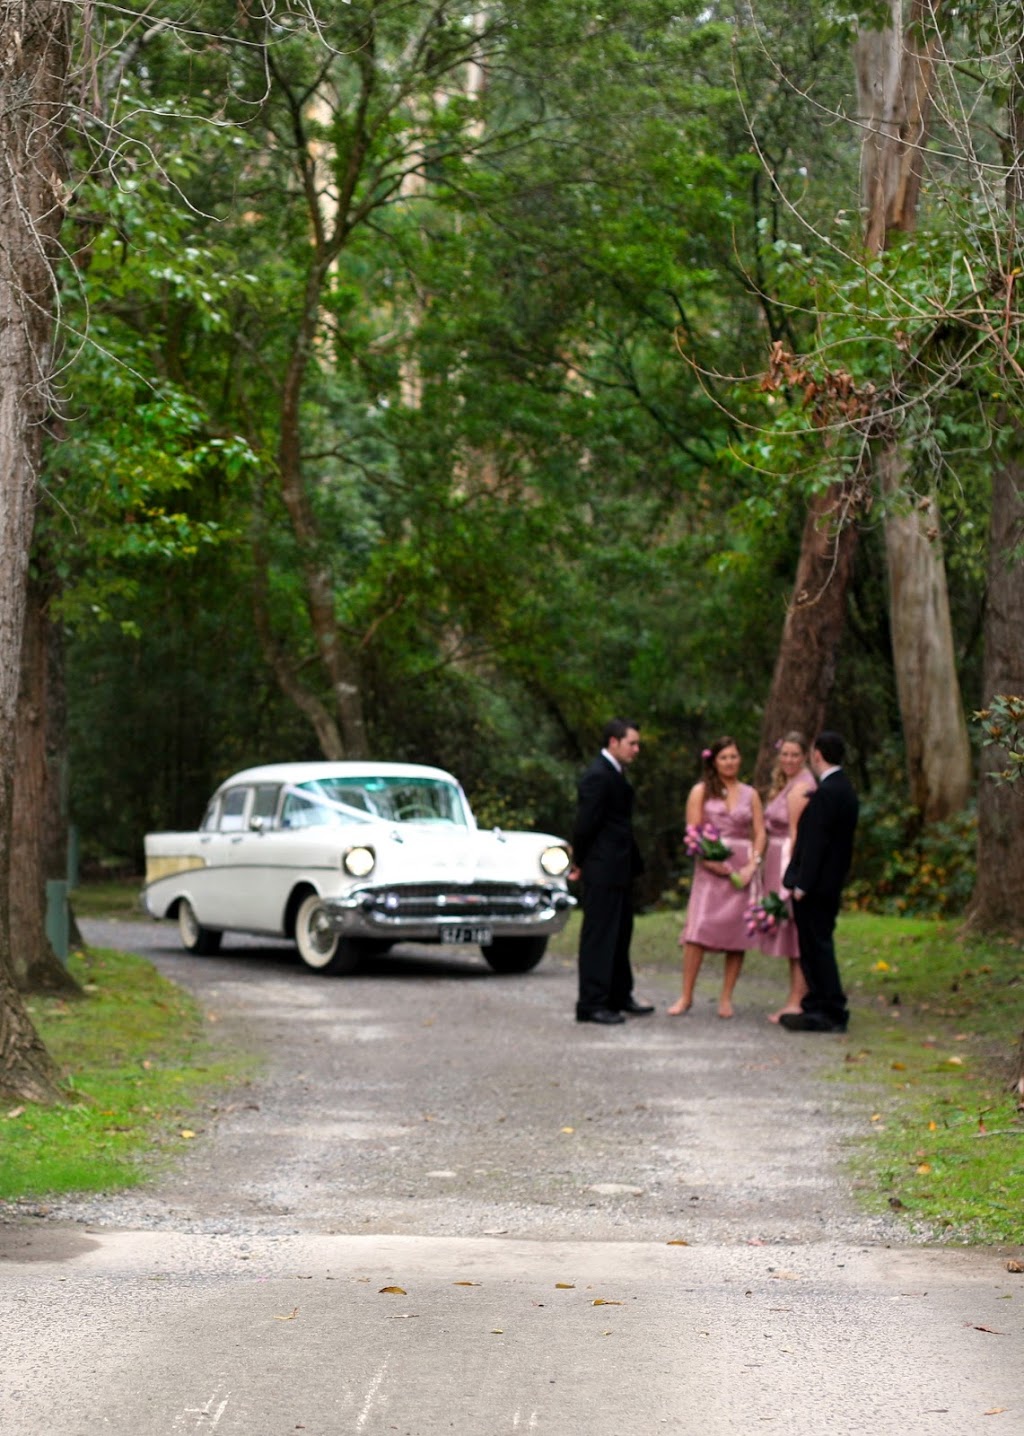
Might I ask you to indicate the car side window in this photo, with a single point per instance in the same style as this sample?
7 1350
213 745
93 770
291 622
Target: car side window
232 810
264 803
209 823
298 812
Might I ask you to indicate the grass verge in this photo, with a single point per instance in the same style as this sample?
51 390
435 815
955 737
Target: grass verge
108 899
137 1059
935 1023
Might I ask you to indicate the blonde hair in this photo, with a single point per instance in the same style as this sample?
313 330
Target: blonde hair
778 779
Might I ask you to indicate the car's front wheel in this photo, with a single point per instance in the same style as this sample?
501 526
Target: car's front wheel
320 946
203 941
515 954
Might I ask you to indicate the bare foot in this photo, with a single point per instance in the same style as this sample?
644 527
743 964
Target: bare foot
678 1008
774 1016
725 1009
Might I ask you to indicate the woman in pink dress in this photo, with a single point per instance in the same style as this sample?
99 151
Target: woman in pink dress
716 917
792 784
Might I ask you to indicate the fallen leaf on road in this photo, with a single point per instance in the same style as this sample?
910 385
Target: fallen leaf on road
600 1301
565 1286
1012 1265
677 1242
990 1329
993 1411
291 1315
467 1283
393 1291
186 1132
568 1129
497 1331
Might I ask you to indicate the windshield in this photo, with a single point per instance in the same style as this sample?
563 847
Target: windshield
396 800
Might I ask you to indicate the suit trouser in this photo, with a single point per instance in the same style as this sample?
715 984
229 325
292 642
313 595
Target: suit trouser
815 925
606 977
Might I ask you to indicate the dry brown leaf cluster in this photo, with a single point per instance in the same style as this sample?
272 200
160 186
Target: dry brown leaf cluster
833 396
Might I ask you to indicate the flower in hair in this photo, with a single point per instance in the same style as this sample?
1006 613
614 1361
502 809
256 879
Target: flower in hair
778 744
706 754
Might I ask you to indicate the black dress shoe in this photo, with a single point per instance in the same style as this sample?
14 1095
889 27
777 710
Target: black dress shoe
809 1022
604 1015
632 1008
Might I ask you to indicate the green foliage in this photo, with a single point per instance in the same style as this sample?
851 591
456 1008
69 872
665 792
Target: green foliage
134 1055
535 497
902 867
1001 726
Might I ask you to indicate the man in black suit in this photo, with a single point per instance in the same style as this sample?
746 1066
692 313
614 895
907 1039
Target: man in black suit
606 856
815 876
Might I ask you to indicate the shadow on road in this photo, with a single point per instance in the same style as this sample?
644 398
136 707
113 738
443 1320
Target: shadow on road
241 955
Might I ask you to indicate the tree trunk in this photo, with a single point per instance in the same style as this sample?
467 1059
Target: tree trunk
37 852
997 903
805 668
280 660
895 71
34 59
938 752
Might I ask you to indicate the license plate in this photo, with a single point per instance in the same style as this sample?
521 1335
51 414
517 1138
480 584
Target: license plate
482 935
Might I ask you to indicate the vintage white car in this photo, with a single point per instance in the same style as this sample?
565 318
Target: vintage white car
350 858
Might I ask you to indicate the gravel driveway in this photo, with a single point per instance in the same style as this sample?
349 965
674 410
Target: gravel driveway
428 1095
430 1126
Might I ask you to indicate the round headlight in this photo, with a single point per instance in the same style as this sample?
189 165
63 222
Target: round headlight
359 861
554 861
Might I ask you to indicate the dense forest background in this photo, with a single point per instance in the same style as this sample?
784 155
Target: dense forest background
437 380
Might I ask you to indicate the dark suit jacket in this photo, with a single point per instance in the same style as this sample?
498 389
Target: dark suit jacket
824 840
603 845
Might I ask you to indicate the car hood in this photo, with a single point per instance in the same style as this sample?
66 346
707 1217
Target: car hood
414 852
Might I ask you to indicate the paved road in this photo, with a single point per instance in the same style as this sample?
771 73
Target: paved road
609 1231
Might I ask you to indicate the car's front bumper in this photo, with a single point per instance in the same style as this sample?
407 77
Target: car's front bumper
425 912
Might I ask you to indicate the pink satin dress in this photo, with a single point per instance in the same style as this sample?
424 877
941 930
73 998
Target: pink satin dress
783 941
716 916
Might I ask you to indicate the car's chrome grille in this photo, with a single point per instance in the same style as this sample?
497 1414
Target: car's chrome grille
476 901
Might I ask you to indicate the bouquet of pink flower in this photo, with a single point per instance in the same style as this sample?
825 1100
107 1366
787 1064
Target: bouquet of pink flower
706 842
766 914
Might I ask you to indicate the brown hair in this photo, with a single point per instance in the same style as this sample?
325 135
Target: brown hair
778 779
713 785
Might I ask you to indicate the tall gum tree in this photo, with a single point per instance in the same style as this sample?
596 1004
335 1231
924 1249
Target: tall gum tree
895 69
354 133
997 902
34 62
